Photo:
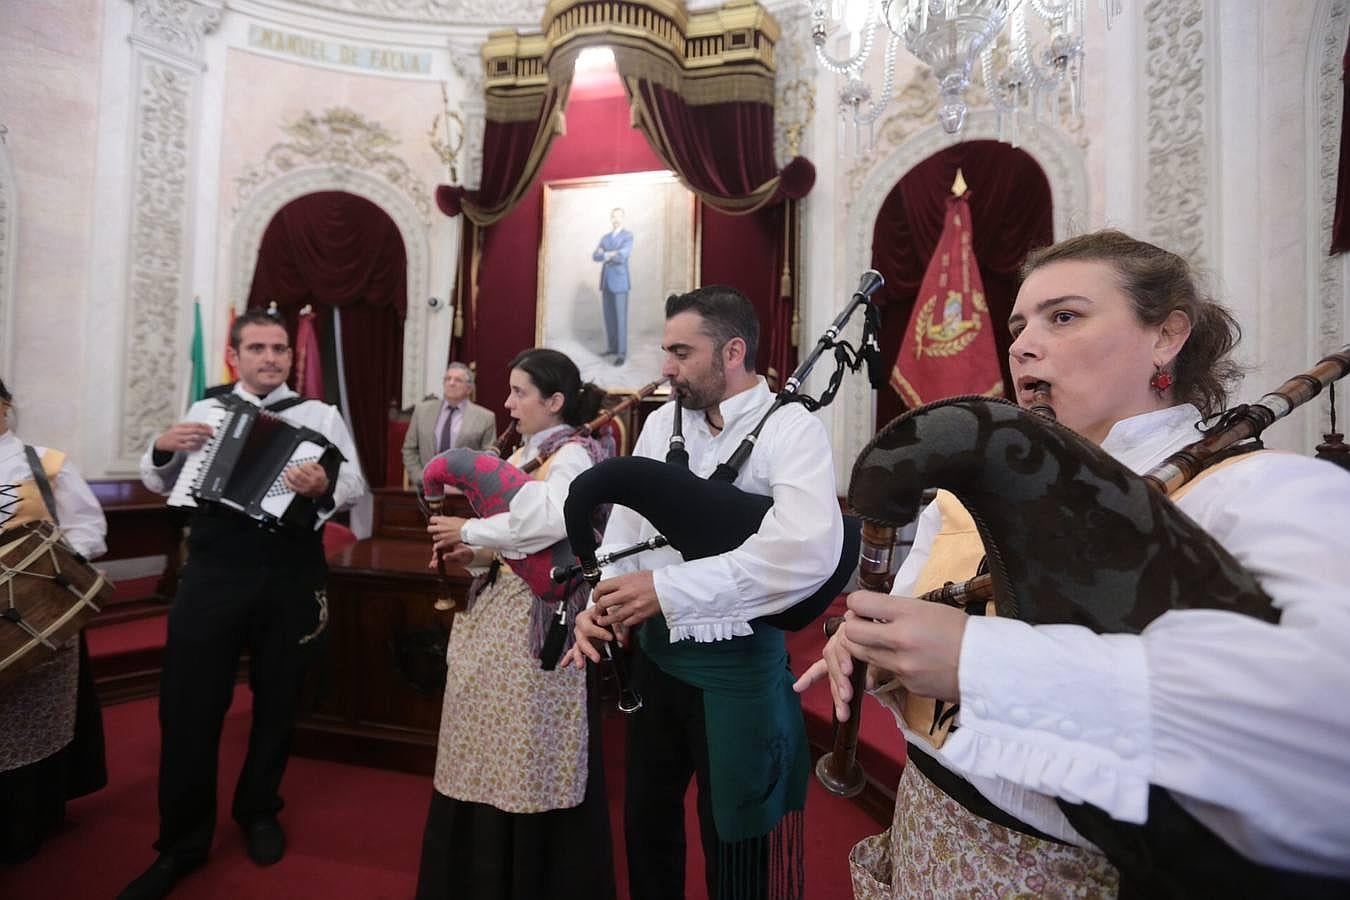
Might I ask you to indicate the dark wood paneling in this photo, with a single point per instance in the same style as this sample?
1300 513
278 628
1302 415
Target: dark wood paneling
397 514
376 696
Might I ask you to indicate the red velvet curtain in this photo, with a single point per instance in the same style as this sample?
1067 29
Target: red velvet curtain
516 140
745 250
464 333
1340 226
336 250
723 151
599 141
1011 214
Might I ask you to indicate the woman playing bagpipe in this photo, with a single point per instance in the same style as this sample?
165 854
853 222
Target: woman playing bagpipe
519 808
1190 740
51 728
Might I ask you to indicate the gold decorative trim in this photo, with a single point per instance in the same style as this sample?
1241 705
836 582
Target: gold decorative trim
523 106
652 126
712 56
800 97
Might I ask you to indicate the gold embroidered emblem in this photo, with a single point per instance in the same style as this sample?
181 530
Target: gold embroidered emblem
952 333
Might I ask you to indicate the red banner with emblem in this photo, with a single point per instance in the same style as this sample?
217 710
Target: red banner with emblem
948 348
228 373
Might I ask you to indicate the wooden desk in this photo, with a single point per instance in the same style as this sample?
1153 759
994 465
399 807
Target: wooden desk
376 694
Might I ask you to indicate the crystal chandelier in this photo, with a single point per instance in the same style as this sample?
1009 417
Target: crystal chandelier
1026 54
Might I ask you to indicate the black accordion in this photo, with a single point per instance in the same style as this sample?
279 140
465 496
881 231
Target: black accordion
241 467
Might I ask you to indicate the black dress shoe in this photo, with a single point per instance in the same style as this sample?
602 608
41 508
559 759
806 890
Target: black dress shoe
618 360
158 880
266 840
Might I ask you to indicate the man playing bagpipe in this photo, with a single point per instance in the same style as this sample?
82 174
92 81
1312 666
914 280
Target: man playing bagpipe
717 689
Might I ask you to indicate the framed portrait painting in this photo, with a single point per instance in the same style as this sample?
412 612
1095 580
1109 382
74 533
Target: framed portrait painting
613 249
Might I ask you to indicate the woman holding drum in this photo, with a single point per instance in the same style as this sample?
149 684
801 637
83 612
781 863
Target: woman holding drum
1203 751
51 729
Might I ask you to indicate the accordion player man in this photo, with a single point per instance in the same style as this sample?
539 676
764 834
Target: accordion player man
243 586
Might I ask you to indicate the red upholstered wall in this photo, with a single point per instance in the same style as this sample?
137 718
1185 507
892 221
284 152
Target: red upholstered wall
599 141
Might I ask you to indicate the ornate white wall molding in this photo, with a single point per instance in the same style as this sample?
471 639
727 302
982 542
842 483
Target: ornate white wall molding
467 61
1065 170
9 220
341 138
1178 124
166 46
498 13
175 26
794 84
267 199
443 12
1328 308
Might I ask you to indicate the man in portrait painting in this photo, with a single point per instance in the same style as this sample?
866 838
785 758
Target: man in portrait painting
612 253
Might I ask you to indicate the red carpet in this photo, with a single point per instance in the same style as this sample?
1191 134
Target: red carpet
353 832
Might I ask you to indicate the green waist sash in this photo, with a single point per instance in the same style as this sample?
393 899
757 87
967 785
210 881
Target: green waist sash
757 753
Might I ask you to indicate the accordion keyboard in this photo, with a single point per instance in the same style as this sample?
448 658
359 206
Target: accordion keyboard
199 461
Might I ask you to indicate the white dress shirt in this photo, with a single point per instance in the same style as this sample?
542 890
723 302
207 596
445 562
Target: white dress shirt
535 517
797 546
1245 722
79 510
322 417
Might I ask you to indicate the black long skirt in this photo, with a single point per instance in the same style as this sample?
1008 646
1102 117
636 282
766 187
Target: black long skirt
33 797
472 851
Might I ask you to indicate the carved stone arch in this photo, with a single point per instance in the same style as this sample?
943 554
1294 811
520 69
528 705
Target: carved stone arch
1061 160
1066 172
9 220
268 199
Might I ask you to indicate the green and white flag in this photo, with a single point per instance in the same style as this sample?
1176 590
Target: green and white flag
197 386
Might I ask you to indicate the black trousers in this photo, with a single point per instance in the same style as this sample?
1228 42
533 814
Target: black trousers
668 745
242 588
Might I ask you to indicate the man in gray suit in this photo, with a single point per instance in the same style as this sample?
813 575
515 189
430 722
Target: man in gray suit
451 421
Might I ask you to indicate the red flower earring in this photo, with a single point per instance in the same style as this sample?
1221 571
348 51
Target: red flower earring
1161 380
